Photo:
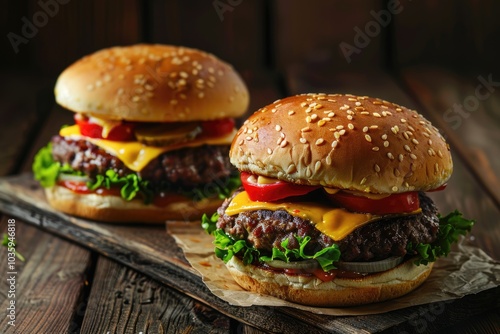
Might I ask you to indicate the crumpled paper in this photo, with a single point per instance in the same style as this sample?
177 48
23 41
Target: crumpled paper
466 271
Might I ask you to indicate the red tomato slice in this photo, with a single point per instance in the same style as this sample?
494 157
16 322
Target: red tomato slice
81 188
274 191
122 132
218 127
395 203
325 276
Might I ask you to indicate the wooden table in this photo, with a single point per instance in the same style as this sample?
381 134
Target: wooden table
69 285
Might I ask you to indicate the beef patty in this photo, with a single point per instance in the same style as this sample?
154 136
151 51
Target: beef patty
187 167
265 229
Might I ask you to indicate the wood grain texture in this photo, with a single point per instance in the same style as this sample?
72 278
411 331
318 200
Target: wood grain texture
48 285
467 112
124 301
230 30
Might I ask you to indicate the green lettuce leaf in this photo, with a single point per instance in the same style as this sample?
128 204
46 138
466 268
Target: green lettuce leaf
226 247
451 227
47 171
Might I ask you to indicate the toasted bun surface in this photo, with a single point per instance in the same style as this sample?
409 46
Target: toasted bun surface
343 141
340 292
152 83
115 209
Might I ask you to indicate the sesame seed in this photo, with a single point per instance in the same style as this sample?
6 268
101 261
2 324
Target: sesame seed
376 102
430 141
399 109
332 114
413 156
326 119
373 127
397 173
328 160
365 129
363 181
377 168
283 143
376 114
248 138
400 158
403 120
394 188
269 151
365 113
278 127
414 141
278 142
335 143
321 122
291 112
430 152
282 135
375 148
411 128
436 167
350 126
303 140
384 136
395 129
405 134
320 142
241 142
359 108
440 154
317 166
308 172
308 119
390 156
336 135
342 132
136 98
349 117
386 143
314 117
308 110
339 127
368 138
306 129
407 148
357 103
273 110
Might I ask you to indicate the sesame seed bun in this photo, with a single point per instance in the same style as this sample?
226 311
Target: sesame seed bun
343 141
339 292
114 209
152 83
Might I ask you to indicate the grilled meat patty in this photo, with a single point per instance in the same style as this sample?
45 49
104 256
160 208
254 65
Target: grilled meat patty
187 167
265 229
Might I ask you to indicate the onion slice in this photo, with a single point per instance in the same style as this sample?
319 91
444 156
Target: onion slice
370 267
73 178
304 265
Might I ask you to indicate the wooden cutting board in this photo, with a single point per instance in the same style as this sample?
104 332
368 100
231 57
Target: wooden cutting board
150 250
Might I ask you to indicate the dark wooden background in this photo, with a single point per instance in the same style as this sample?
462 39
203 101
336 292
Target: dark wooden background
432 55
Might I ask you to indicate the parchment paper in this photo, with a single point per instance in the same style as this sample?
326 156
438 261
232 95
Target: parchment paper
466 271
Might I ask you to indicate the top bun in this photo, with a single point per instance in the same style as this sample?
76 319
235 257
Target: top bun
152 83
345 142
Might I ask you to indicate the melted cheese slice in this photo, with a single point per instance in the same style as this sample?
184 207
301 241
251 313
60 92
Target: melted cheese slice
336 223
136 155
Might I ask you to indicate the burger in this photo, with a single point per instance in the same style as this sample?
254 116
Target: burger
333 210
150 142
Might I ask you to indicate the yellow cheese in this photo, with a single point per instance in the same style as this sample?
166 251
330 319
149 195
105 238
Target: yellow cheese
136 155
336 223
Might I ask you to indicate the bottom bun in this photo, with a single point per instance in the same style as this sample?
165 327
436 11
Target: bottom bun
309 290
114 209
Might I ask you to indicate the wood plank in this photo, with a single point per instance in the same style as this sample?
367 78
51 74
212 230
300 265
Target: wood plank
457 35
466 111
310 34
229 30
163 261
48 286
22 112
125 301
